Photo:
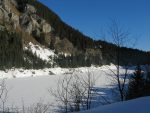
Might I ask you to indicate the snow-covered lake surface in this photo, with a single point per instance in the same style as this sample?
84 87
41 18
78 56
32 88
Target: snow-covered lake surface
29 87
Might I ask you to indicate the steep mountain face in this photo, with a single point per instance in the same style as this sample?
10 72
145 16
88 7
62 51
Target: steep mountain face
38 26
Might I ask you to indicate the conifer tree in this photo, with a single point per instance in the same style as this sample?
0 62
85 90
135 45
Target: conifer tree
136 84
147 85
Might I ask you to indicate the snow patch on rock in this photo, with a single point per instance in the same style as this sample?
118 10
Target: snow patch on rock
41 52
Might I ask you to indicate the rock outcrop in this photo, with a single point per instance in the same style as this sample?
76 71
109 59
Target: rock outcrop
28 20
64 46
46 28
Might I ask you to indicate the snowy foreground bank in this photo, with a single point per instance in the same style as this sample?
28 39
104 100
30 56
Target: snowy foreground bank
140 105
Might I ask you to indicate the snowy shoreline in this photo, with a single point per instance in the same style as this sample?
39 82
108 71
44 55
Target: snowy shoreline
23 73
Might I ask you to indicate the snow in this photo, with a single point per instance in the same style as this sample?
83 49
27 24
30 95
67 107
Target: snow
30 90
28 87
65 54
24 73
41 52
140 105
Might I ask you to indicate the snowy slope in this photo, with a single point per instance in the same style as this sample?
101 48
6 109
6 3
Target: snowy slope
140 105
43 53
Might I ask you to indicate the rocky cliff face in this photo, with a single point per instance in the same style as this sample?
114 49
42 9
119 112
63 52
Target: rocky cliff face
28 21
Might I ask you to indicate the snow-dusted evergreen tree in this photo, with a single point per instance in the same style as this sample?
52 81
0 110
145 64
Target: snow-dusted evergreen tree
136 84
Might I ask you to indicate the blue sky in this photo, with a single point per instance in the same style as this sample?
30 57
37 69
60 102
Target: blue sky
91 16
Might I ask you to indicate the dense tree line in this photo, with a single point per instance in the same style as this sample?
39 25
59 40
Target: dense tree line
80 60
71 61
128 56
11 50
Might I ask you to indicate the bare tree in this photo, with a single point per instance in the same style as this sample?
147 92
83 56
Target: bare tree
119 37
88 82
38 108
62 92
74 92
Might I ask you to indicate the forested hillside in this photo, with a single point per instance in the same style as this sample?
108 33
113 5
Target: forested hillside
31 21
79 40
61 29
